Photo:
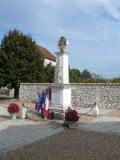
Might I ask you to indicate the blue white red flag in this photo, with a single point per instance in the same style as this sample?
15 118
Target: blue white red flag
40 102
47 102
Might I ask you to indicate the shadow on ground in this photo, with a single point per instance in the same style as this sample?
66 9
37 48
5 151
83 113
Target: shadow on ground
46 142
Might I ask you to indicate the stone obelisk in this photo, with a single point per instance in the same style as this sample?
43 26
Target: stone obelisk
61 90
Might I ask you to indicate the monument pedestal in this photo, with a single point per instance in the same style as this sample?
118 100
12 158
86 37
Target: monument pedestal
61 100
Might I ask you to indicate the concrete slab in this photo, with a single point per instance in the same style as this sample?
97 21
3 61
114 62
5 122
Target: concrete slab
102 124
17 133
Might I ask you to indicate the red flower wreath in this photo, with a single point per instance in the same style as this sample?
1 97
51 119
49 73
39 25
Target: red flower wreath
13 108
71 115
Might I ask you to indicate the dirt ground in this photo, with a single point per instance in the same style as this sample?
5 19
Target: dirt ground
37 117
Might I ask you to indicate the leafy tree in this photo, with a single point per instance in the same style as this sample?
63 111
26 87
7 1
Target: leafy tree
115 80
3 58
98 79
74 75
49 71
86 74
20 61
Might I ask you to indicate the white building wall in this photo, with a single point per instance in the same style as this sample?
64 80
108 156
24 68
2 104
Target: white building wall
46 61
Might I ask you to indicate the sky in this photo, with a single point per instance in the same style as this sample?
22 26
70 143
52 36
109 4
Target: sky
92 28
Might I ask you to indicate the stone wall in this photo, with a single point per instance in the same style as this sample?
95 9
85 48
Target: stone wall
107 95
28 91
7 92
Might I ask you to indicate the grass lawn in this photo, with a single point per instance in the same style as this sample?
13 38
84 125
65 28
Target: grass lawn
5 98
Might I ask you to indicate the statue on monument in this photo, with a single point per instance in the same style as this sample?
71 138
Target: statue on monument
62 43
58 74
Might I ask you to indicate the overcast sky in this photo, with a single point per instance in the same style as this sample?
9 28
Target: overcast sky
92 28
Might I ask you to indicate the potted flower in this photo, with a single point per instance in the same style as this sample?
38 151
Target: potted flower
71 117
13 109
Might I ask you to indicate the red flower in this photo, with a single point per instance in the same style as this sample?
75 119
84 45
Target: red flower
13 108
71 115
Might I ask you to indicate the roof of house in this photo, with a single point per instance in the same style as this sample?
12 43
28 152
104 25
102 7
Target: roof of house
46 54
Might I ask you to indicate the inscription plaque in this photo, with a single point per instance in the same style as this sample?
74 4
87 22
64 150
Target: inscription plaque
57 96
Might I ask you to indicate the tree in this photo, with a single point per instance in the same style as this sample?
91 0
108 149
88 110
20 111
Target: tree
20 61
74 75
49 71
98 79
86 74
115 80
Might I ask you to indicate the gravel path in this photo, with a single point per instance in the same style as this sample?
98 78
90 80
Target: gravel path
70 144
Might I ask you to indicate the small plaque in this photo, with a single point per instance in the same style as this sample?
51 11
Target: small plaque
57 96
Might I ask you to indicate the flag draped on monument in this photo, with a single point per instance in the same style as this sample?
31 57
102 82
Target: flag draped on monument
44 102
47 103
40 102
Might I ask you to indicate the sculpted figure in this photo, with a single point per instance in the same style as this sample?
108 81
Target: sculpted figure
62 43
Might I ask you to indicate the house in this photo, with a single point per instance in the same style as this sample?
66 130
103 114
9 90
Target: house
48 56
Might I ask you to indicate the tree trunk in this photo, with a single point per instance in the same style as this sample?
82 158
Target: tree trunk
16 93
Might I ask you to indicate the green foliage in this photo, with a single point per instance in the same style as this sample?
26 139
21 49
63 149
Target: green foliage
93 80
115 80
49 71
74 75
5 98
86 74
20 60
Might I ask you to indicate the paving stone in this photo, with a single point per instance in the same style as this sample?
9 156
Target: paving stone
18 133
102 124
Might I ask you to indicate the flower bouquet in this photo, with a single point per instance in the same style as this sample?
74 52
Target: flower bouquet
71 117
13 109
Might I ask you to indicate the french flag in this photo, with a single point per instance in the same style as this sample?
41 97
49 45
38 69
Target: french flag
40 102
47 103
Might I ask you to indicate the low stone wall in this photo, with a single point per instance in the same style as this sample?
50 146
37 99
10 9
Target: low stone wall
29 91
7 92
107 95
4 92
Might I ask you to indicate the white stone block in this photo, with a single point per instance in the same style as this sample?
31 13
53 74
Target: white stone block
95 111
23 112
11 92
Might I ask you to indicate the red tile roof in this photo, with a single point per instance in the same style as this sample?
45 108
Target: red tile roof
46 54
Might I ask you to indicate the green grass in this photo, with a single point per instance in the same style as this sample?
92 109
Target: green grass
5 98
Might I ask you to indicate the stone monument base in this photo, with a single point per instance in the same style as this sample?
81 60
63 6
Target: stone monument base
61 100
58 115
